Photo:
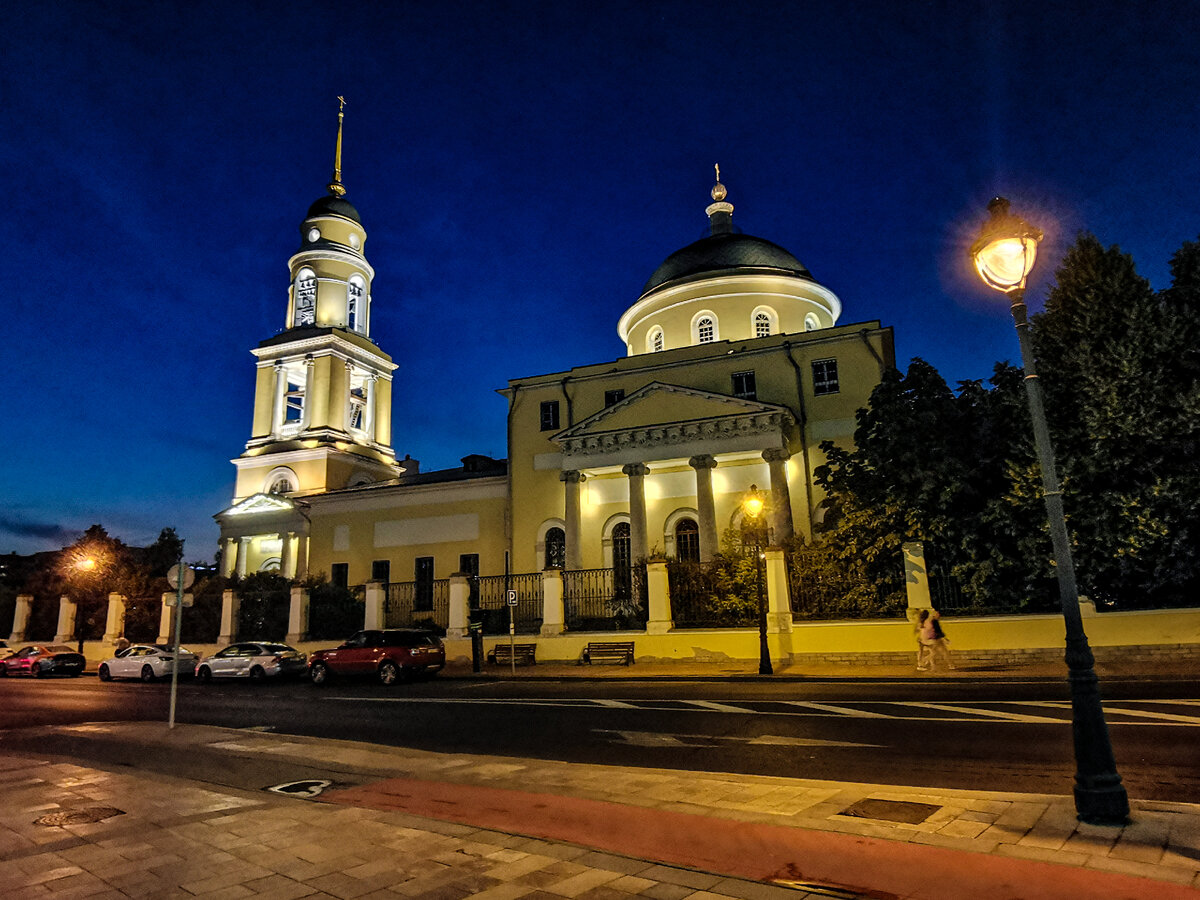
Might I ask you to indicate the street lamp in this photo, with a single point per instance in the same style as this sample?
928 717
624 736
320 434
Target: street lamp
752 510
1004 255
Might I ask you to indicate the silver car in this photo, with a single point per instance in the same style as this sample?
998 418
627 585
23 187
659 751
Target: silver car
148 662
255 660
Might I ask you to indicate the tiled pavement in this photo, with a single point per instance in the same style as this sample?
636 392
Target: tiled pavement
434 825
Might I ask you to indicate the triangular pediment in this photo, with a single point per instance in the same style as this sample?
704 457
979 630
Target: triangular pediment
658 404
259 504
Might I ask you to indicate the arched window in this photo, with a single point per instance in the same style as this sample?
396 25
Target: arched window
762 324
356 295
706 331
655 340
282 485
622 561
281 480
687 540
811 322
556 548
305 298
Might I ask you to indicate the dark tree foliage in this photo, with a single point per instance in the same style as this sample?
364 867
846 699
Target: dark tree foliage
1119 367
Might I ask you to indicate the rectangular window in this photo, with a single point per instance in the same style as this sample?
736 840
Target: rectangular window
825 376
549 415
339 575
294 398
744 386
381 570
613 397
423 589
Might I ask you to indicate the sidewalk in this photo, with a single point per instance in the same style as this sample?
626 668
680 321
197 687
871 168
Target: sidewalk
406 823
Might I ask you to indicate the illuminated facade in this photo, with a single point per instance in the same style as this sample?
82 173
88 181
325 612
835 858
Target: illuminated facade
736 370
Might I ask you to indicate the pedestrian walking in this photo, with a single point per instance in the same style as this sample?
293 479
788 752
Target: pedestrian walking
939 645
924 634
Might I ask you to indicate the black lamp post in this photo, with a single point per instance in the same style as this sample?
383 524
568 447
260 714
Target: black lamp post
1004 255
752 509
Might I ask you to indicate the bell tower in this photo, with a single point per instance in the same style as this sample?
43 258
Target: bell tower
322 403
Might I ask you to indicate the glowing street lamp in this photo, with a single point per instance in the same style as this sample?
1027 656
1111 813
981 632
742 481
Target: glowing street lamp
752 510
1004 255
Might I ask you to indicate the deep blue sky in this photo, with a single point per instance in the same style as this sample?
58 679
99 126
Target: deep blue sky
520 169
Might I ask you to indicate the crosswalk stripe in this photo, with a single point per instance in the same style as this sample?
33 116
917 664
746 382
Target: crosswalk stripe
988 713
720 707
840 710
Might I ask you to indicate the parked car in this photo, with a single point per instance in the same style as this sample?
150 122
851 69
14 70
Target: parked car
40 660
147 662
255 660
389 654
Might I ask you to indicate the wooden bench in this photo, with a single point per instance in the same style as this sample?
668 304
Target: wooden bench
509 654
608 651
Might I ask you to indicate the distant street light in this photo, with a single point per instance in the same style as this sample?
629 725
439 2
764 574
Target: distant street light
754 524
1004 255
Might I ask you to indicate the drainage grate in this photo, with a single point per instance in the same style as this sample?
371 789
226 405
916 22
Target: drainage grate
902 811
80 816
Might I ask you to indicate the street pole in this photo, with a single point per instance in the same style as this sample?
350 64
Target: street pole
764 651
177 616
1100 798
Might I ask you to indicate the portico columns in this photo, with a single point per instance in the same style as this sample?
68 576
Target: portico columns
637 472
229 557
574 551
781 501
242 555
286 568
710 542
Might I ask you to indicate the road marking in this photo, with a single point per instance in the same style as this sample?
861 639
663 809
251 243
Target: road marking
720 707
840 710
615 704
989 713
1150 714
670 740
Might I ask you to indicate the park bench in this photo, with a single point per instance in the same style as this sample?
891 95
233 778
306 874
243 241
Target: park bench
608 651
509 654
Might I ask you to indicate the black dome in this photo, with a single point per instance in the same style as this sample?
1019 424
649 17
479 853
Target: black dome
334 206
721 252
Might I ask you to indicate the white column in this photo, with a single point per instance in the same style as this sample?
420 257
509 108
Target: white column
638 548
242 555
658 591
710 540
279 409
298 616
301 555
574 556
374 614
229 557
369 410
67 610
21 617
553 618
165 635
230 604
346 407
460 605
780 508
309 381
115 625
287 562
779 604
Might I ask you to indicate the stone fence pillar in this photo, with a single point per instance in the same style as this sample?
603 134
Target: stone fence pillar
374 605
553 618
21 617
916 579
298 615
231 604
779 603
115 625
67 611
460 605
658 598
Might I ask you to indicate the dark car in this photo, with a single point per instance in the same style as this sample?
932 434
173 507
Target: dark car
40 660
388 654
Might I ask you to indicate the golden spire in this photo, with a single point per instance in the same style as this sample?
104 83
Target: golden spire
335 187
718 191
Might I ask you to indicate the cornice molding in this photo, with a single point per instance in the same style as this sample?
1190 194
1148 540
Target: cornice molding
331 344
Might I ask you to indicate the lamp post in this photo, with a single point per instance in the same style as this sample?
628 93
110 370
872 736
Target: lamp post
1004 255
752 509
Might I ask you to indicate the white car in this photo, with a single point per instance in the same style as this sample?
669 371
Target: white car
148 662
255 660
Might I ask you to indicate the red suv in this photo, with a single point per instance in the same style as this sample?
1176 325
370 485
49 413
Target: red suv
389 655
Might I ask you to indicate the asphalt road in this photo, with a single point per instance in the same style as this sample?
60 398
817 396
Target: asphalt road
1010 735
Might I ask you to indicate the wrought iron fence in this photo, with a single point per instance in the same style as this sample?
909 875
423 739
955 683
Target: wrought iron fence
947 593
605 599
822 587
418 604
335 612
713 594
491 608
263 615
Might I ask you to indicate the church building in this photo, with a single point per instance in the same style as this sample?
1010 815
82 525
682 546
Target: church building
736 369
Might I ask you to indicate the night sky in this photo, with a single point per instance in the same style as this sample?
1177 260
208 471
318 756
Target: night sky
521 169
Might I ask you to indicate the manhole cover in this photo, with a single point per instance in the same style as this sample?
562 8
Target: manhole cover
891 811
80 816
